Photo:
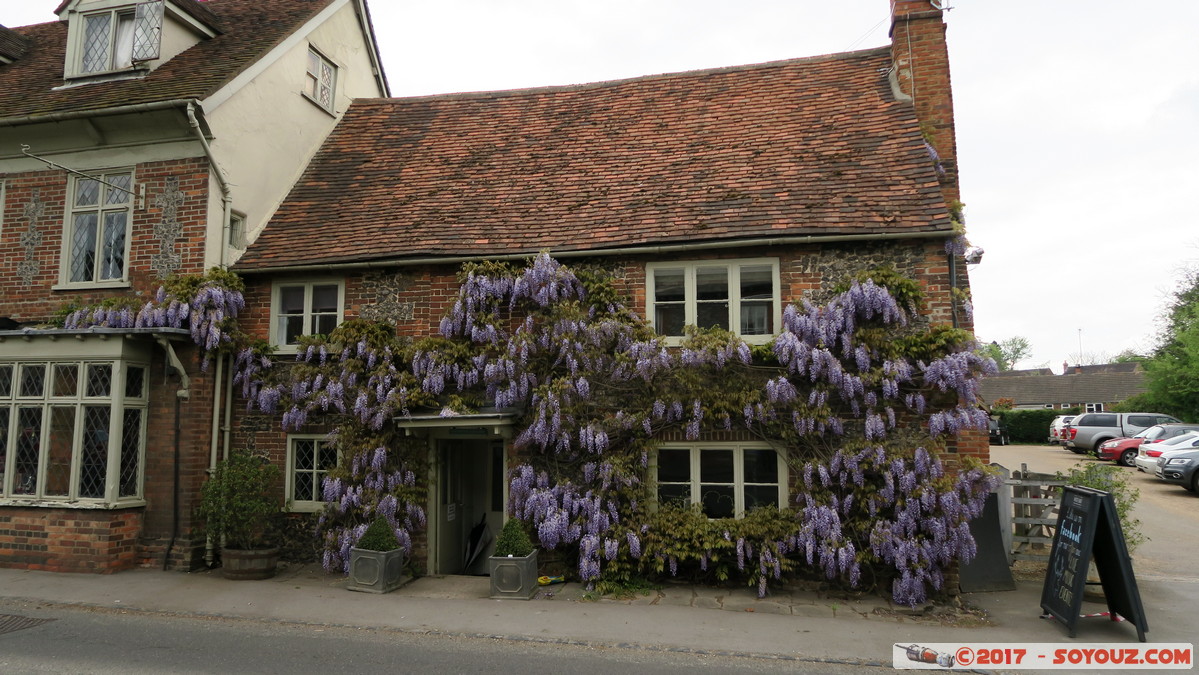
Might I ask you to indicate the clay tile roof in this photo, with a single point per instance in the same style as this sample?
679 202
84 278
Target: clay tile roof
250 29
1072 388
197 10
12 45
813 146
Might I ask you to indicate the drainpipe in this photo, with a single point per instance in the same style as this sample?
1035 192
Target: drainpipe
226 428
226 193
182 393
953 285
209 547
226 218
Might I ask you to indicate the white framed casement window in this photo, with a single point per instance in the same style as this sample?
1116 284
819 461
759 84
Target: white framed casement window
724 479
304 308
237 230
741 296
320 81
309 460
99 215
72 431
115 38
1094 407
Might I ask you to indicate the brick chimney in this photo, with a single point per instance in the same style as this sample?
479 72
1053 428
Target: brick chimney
921 71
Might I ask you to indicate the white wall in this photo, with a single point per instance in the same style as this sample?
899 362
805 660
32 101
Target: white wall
264 117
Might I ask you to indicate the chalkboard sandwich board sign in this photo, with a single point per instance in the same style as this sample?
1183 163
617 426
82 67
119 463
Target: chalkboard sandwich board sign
1087 527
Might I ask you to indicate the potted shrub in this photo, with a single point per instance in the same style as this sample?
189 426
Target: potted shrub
513 565
236 503
377 560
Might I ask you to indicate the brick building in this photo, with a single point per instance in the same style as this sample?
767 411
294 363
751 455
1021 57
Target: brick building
756 185
140 140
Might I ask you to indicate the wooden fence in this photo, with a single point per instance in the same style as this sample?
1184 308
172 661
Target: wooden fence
1028 503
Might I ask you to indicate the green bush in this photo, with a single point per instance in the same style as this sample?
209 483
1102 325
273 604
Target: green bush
513 540
378 537
1031 426
239 499
1113 480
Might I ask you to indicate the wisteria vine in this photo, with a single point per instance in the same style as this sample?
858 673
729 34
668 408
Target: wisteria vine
857 395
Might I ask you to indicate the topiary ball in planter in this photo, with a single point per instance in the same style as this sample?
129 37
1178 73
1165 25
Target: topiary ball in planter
513 565
377 560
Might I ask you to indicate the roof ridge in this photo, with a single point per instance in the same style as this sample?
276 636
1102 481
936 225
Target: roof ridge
600 84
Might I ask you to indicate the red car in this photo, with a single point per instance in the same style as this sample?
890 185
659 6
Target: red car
1124 450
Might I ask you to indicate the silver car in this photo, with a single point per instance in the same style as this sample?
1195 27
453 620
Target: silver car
1148 456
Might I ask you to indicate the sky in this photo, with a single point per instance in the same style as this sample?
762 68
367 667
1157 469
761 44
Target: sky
1077 125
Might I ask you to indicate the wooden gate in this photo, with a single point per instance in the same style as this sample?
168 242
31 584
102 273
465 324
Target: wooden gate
1031 510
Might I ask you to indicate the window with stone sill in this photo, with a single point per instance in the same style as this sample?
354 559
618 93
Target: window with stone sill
117 38
320 81
724 479
304 308
72 431
309 460
741 296
99 214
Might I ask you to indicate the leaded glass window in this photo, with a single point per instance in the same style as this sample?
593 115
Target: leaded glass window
115 39
321 80
101 209
66 433
310 458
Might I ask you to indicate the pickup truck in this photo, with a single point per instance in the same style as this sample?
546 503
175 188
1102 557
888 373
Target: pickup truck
1084 433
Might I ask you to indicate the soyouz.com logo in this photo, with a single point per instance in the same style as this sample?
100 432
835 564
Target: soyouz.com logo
1042 656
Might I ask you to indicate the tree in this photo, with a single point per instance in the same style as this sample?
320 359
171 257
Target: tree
1173 370
1130 356
1009 352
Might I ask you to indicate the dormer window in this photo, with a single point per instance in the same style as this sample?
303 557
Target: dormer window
118 38
107 41
321 82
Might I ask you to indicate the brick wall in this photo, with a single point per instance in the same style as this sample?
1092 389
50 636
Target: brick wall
195 434
47 191
921 57
69 540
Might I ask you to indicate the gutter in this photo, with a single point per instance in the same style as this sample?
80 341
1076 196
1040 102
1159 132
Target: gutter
591 253
105 112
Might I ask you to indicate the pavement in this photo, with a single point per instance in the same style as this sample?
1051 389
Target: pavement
808 625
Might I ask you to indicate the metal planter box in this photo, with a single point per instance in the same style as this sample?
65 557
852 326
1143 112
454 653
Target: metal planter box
513 578
376 571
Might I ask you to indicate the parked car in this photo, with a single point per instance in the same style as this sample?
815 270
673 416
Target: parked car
999 433
1056 426
1179 467
1124 450
1148 455
1085 432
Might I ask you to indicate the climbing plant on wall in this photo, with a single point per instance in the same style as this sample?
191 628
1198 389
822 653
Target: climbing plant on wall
857 395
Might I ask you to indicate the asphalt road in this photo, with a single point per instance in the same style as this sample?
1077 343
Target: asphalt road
79 640
1168 513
